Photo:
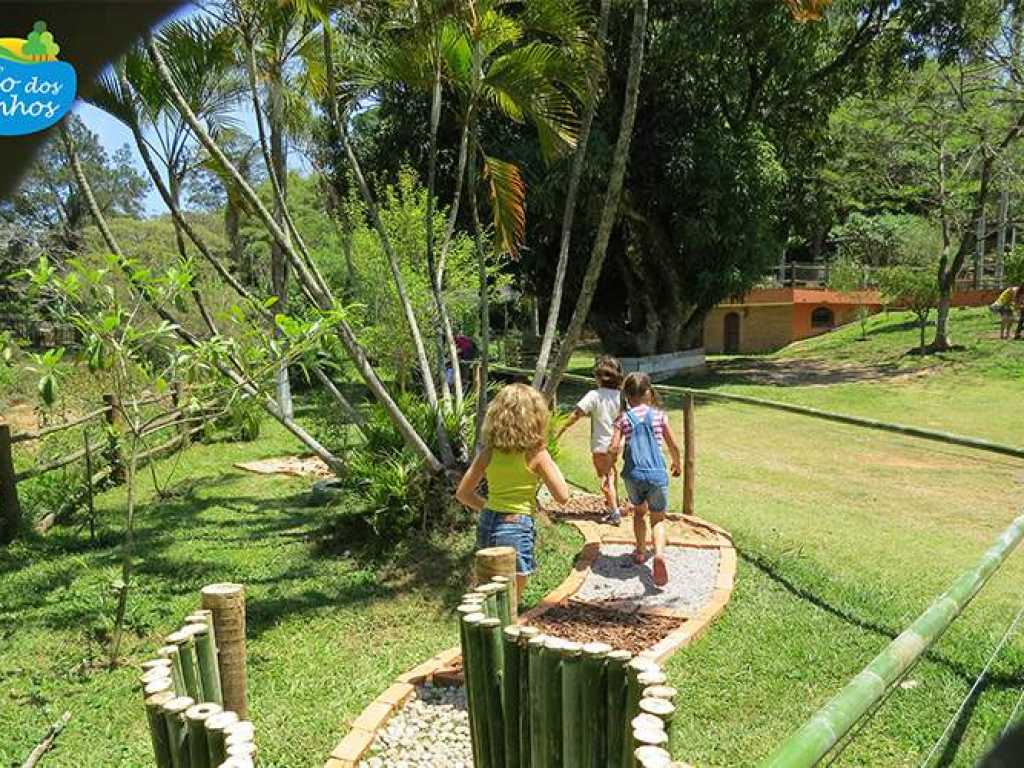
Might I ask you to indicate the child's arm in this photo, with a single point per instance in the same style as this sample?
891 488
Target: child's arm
673 448
575 416
466 493
544 466
616 444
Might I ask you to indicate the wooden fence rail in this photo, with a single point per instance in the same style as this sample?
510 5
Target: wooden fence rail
111 414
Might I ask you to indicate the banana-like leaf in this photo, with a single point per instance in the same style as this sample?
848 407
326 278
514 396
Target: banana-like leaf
507 192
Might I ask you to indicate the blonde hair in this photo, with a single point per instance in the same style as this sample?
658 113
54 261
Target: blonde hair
517 419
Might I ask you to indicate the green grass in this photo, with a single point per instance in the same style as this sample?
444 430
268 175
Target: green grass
845 535
328 630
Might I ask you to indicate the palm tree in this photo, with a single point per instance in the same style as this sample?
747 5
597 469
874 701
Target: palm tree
609 211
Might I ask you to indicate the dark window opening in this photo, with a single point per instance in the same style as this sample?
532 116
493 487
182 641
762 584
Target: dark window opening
822 317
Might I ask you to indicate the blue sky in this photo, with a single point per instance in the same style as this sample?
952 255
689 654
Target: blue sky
113 134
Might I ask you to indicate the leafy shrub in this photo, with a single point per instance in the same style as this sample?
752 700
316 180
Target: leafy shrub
1013 266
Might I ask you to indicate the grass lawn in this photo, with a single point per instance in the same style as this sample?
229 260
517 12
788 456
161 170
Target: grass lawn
327 630
845 536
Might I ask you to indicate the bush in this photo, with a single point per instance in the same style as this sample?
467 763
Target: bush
1013 266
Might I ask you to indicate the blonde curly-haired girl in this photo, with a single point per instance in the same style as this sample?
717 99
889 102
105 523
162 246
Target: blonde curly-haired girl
515 461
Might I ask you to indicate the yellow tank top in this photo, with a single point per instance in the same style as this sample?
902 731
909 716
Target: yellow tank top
511 486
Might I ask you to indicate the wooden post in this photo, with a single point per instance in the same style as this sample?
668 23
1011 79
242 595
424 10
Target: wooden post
227 601
88 485
10 508
114 419
498 561
688 454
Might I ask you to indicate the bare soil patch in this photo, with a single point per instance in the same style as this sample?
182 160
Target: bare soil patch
295 466
795 372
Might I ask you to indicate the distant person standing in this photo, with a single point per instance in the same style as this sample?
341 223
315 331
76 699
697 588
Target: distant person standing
1003 309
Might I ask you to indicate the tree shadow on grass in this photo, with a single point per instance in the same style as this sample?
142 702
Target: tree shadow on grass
958 668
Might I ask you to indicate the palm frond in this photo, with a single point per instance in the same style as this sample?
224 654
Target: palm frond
507 192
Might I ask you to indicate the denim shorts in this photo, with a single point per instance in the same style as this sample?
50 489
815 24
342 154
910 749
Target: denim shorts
655 495
497 529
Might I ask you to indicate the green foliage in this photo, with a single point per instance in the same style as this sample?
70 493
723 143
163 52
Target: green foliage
40 43
243 418
1013 266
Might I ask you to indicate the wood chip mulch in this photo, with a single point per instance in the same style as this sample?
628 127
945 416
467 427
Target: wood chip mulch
632 632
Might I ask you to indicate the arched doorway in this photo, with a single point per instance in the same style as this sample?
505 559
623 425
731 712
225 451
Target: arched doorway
731 345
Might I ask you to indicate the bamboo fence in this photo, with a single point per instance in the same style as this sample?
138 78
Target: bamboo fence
542 702
185 690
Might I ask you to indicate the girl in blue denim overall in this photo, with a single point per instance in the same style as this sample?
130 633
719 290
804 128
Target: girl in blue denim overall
515 461
641 430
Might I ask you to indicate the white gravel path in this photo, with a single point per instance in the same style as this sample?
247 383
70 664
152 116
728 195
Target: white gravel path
430 731
691 578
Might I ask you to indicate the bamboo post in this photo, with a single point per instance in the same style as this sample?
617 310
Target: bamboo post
526 634
170 652
660 692
90 503
163 685
510 692
551 701
152 664
237 762
535 705
227 601
660 708
653 757
188 662
651 678
506 599
593 705
634 669
241 748
689 458
616 706
154 675
647 737
10 507
494 663
828 725
209 671
647 721
572 705
195 718
242 730
177 733
473 661
158 728
498 561
114 419
203 616
490 601
465 610
215 735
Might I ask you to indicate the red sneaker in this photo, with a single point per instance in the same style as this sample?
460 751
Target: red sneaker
660 571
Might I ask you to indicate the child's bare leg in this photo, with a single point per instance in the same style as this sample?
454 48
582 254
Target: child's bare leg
640 528
658 532
613 485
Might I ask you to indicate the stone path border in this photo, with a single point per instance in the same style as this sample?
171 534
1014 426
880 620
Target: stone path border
351 749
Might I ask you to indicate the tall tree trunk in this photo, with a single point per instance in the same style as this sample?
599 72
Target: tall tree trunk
1004 208
979 250
278 258
485 306
611 202
233 234
568 214
319 293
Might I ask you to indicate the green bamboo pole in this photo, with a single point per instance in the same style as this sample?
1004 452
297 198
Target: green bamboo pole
615 671
648 737
535 687
473 661
170 652
161 663
647 721
243 730
503 601
187 660
490 601
209 669
215 735
828 725
153 675
653 757
494 653
158 728
163 685
177 733
857 421
594 704
464 610
526 634
660 692
652 677
551 701
203 616
510 692
634 669
242 748
660 708
572 705
511 589
195 719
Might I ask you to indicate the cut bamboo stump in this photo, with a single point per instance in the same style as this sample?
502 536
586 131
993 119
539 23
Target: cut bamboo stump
572 705
593 705
215 735
158 728
615 672
209 670
498 561
535 677
551 702
526 635
510 692
227 602
177 731
195 718
476 675
653 757
493 664
188 662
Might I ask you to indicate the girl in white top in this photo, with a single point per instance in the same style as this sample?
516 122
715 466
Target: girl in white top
603 405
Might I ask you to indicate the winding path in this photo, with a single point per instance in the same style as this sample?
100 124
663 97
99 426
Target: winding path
604 597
